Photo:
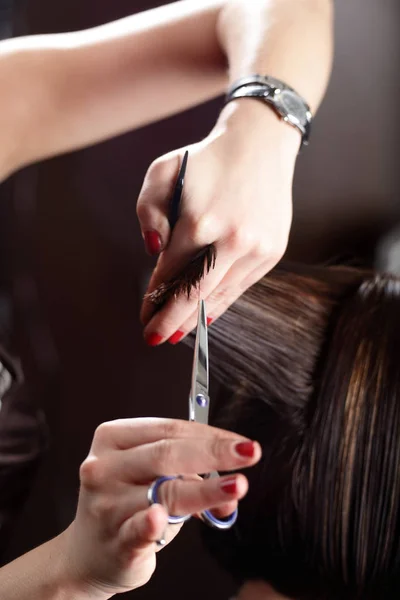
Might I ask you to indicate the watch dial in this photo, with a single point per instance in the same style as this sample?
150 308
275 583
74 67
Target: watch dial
292 105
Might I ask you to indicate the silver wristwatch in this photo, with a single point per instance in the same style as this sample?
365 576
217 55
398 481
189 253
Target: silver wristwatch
283 99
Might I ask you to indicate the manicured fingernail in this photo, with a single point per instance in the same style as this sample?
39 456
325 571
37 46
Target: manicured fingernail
174 339
153 339
229 486
209 320
245 449
152 241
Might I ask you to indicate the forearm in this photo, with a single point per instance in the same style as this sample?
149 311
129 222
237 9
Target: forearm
288 39
291 40
42 574
65 91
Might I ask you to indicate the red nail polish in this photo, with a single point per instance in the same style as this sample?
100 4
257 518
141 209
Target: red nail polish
209 320
229 486
174 339
245 449
153 339
152 242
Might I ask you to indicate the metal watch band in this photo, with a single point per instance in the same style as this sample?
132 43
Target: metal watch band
265 80
267 89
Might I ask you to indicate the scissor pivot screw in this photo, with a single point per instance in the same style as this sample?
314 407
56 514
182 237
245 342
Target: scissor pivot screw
201 400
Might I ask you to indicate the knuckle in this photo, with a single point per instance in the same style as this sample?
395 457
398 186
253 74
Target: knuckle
241 238
162 455
158 170
219 296
102 508
276 255
172 429
91 472
143 210
268 249
218 451
103 432
202 229
262 249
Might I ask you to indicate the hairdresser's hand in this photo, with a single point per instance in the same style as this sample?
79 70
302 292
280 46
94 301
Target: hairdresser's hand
237 195
110 547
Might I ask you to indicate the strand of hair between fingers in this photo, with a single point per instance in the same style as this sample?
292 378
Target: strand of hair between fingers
187 280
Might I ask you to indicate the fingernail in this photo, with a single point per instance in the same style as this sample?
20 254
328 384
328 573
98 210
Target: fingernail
209 320
152 241
229 486
153 339
174 339
245 449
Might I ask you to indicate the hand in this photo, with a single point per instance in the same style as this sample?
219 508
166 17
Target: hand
110 547
237 195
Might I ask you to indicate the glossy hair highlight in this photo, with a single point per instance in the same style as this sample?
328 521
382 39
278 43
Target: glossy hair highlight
311 356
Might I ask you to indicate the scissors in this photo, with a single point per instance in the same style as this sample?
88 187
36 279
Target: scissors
199 399
199 403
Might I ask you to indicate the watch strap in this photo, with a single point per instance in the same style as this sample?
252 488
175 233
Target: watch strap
266 89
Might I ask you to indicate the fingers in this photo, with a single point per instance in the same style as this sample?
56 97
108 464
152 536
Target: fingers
215 312
177 496
235 282
153 202
190 497
179 457
123 434
230 288
142 464
143 529
166 322
238 266
188 238
182 497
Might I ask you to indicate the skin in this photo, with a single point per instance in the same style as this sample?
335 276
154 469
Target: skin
238 187
66 91
110 547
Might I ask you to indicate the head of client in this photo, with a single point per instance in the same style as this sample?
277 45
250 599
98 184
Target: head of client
312 356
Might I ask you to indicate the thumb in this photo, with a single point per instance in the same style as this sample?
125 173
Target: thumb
154 199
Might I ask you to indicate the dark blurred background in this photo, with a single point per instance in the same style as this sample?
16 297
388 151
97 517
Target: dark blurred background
75 266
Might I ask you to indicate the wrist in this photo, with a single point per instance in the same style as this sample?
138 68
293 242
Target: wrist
251 118
71 581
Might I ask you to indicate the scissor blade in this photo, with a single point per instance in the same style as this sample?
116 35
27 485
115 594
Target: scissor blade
199 398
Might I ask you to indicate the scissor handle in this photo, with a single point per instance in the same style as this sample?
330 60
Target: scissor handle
220 524
210 519
152 496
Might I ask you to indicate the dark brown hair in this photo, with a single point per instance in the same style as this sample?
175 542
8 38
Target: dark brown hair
312 358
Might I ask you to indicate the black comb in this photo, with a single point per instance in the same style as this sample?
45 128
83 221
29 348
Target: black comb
175 203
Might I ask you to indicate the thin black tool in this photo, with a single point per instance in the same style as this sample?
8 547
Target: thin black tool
175 203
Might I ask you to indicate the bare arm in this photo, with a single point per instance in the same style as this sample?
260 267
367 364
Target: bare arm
288 39
42 574
239 180
110 546
65 91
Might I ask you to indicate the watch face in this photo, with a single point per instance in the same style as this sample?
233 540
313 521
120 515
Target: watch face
291 105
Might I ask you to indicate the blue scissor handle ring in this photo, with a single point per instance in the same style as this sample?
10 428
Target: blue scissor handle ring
221 524
153 499
207 516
